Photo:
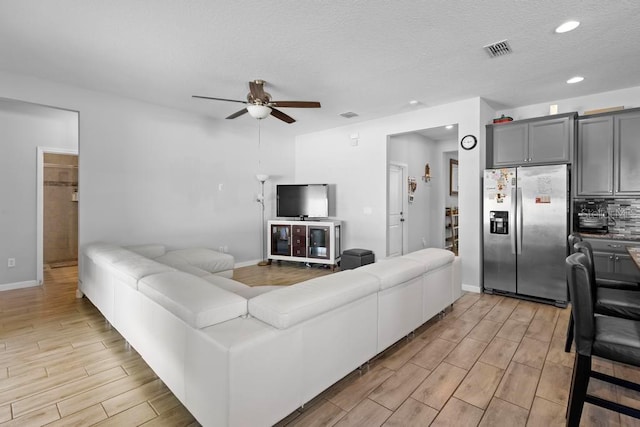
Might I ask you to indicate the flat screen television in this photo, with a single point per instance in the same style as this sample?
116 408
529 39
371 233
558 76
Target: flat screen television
302 200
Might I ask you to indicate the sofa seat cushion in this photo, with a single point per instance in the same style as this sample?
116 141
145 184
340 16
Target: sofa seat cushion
131 270
187 268
394 271
431 258
149 251
241 289
294 304
202 258
192 299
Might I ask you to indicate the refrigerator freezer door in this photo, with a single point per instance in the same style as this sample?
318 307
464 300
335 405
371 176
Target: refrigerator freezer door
499 225
542 231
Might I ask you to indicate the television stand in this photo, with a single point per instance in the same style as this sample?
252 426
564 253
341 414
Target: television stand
309 242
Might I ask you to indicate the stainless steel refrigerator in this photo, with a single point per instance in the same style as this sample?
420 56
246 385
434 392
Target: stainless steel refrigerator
525 222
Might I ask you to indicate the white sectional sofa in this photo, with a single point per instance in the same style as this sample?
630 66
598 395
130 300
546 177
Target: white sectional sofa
236 355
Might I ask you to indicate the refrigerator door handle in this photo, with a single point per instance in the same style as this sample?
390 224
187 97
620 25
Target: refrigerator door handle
520 225
513 227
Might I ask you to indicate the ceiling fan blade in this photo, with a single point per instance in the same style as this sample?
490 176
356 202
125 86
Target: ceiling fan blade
218 99
282 116
296 104
237 114
256 88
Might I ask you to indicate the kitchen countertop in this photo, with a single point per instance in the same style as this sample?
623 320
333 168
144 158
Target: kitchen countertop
611 236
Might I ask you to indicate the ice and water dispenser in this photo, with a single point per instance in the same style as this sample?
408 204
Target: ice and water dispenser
499 222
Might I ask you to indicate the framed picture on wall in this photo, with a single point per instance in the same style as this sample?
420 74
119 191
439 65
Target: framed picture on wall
453 177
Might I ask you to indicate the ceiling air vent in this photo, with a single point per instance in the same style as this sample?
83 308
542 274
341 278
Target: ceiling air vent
349 115
498 49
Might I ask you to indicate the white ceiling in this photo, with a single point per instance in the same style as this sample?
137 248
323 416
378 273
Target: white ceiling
370 57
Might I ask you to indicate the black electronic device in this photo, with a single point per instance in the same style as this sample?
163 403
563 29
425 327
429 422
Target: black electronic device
302 201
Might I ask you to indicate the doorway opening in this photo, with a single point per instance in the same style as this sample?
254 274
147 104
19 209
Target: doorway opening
425 188
60 195
57 209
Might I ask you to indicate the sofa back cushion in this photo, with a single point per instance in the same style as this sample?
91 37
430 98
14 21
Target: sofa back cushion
192 299
131 270
394 271
294 304
107 253
431 258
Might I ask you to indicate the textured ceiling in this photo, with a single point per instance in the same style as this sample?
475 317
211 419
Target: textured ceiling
370 57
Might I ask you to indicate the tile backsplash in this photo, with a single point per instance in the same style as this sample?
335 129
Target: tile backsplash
624 216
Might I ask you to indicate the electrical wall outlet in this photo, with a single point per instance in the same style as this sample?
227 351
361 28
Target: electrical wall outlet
11 262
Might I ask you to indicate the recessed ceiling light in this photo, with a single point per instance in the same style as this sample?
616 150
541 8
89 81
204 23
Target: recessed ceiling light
414 102
576 79
567 26
448 127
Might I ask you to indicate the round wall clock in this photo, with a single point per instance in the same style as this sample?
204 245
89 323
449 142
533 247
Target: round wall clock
468 142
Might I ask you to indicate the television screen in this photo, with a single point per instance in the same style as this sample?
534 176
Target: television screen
302 200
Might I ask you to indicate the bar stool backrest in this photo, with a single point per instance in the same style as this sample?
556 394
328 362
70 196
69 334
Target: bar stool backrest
580 289
587 250
572 239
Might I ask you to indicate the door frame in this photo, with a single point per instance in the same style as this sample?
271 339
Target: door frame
405 207
40 204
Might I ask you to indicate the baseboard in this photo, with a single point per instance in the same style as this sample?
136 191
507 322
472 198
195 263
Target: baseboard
470 288
19 285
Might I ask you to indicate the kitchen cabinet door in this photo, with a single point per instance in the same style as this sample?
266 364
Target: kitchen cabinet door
627 149
550 141
538 141
510 144
625 266
603 263
594 171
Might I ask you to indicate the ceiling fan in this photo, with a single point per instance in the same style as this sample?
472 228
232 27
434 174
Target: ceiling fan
259 104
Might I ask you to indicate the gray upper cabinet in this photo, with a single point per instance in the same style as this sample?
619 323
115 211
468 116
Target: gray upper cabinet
510 144
531 142
608 154
627 154
595 157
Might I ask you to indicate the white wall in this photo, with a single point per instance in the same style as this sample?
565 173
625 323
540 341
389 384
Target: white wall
628 98
153 174
360 173
24 127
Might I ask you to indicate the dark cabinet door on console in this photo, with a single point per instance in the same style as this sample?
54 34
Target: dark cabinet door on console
319 242
281 240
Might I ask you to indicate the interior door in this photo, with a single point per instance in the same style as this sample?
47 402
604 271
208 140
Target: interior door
396 210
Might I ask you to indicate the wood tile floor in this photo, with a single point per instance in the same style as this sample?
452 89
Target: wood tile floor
491 361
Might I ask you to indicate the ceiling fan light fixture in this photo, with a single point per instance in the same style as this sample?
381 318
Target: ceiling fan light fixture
258 111
567 26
